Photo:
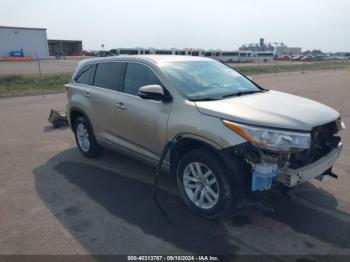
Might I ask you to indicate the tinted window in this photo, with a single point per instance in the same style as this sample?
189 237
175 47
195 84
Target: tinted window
163 52
137 75
229 54
129 52
108 75
84 75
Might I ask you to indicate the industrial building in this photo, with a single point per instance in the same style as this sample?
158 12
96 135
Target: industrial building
277 48
65 47
33 41
284 50
261 46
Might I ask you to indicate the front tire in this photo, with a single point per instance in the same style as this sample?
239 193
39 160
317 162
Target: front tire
203 183
85 138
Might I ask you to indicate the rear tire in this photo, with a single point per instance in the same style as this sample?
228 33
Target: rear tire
204 184
85 138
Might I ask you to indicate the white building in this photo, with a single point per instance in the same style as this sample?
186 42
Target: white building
33 41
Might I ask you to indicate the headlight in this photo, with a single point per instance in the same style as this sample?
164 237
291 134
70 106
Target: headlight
340 124
273 139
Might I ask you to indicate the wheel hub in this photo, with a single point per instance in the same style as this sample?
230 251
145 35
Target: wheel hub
201 185
83 137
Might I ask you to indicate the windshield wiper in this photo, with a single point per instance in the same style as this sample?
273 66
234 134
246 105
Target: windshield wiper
242 93
197 99
203 99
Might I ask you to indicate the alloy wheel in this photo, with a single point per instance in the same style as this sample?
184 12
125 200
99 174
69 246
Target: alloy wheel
201 185
83 137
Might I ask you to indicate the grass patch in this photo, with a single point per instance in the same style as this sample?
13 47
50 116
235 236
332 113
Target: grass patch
22 85
272 68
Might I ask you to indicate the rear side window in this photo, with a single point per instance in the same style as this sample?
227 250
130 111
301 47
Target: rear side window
108 75
85 74
138 75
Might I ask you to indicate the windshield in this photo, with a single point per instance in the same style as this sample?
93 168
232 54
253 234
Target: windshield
207 80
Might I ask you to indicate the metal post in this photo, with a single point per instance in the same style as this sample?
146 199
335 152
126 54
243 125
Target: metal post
62 55
40 75
303 68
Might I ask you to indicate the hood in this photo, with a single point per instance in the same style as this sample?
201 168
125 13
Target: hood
271 109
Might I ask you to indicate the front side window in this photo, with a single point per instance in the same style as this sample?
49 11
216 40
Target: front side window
209 80
108 75
85 74
136 76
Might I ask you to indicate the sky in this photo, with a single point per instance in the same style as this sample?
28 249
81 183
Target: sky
216 24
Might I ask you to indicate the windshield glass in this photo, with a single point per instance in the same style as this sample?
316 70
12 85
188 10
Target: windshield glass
207 80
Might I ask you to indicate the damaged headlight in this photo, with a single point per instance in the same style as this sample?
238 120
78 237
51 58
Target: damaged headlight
340 124
273 139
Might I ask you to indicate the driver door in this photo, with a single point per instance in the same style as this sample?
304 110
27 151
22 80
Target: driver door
142 124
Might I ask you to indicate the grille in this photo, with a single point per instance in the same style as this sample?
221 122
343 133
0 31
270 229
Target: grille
323 140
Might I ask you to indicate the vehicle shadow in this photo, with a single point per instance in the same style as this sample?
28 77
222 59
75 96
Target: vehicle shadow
94 204
309 218
51 128
100 207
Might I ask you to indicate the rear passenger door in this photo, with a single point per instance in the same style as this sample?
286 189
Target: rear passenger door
106 84
142 124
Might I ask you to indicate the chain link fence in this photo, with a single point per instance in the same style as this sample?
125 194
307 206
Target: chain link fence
288 67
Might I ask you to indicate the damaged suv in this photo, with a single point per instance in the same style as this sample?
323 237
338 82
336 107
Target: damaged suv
228 136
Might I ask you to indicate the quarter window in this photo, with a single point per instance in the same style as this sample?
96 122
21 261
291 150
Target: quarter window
85 74
136 76
108 75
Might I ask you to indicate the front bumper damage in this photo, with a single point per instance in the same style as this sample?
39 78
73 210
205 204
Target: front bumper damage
318 169
270 168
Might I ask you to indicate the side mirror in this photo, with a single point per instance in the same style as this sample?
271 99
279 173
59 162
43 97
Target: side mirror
155 92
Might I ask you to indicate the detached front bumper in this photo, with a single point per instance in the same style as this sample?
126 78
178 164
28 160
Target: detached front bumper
293 177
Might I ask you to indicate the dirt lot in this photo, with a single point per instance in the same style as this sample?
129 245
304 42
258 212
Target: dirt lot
47 66
54 201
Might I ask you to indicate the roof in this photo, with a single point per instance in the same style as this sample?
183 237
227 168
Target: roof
22 28
155 59
172 58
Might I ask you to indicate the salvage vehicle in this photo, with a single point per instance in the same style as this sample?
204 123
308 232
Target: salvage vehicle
228 135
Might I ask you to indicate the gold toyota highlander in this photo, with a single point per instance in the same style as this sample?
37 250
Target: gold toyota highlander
228 136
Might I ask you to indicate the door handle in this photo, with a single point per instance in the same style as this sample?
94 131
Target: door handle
121 106
87 94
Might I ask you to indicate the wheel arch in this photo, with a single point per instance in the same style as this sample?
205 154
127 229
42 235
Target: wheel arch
76 112
237 168
186 143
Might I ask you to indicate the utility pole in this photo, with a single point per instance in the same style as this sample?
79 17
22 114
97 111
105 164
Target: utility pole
62 55
40 75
